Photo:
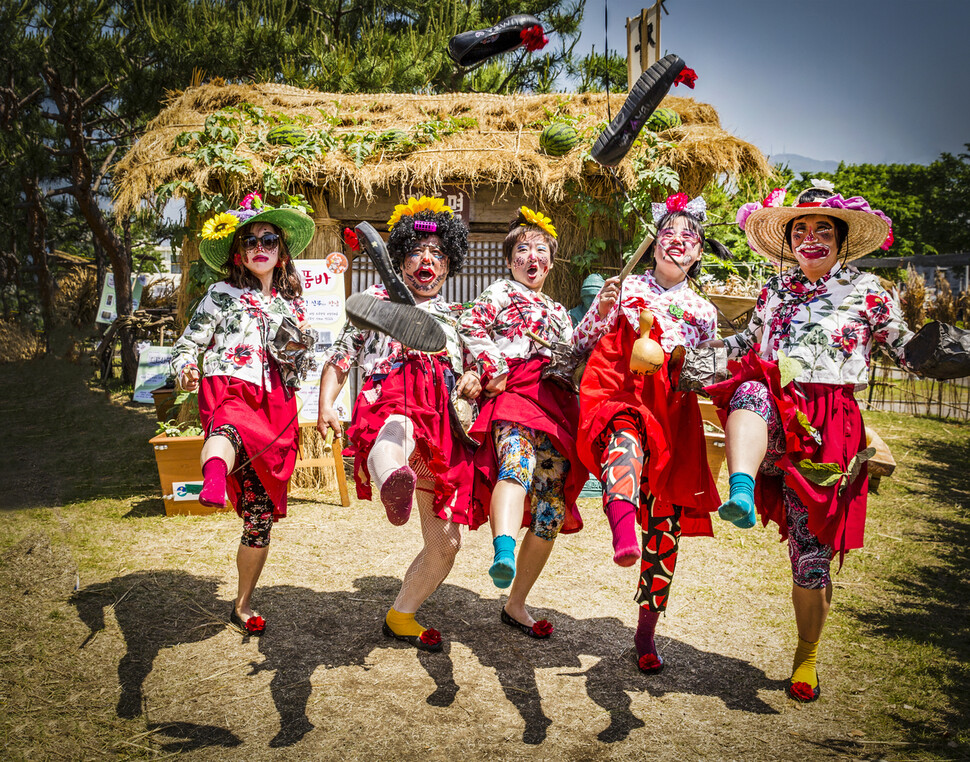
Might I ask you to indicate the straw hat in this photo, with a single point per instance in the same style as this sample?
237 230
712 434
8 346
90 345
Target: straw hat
217 234
869 229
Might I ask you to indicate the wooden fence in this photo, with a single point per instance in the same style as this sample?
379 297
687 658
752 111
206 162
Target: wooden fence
894 390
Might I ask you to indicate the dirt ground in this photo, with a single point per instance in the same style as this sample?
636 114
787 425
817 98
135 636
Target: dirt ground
116 640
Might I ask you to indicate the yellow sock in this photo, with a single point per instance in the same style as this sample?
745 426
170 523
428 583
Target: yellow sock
403 624
803 670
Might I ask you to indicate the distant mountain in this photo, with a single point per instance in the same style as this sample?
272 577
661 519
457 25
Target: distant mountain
800 164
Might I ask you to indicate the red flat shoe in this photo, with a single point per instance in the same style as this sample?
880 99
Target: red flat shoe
254 625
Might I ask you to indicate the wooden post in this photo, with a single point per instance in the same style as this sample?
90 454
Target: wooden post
640 53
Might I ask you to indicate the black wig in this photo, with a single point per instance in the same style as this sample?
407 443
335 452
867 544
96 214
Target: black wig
451 230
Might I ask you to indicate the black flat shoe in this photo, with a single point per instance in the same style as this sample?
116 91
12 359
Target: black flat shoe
429 640
254 626
477 45
375 248
413 327
540 630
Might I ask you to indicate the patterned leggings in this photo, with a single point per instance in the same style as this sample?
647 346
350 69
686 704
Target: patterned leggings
528 457
622 472
810 559
254 503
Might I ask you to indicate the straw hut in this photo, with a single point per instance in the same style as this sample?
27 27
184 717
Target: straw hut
370 152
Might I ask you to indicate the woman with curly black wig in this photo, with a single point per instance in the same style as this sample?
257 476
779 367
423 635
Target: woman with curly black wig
403 446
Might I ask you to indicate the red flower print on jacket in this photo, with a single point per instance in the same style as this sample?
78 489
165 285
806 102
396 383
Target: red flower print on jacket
877 307
846 339
241 354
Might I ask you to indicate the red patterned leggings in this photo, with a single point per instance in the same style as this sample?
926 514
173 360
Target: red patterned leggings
622 471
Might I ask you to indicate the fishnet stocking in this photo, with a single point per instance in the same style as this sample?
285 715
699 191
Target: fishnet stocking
442 541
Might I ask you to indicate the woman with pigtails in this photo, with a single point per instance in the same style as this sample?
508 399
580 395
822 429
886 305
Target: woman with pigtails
404 449
527 473
643 438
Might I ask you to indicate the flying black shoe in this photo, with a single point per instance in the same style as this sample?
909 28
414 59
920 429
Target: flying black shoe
413 327
470 48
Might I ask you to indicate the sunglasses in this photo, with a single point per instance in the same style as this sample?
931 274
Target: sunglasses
268 242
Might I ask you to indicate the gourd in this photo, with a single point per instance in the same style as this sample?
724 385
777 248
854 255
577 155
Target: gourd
647 357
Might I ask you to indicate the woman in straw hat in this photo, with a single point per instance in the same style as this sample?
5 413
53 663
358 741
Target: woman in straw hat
644 438
403 446
527 472
795 439
246 403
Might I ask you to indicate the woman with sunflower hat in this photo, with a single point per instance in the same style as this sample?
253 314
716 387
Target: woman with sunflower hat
527 473
643 438
246 400
404 449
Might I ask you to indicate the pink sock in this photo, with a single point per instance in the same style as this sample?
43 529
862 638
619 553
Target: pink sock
623 525
646 626
214 472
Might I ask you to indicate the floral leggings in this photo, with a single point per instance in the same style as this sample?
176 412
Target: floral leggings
810 559
528 457
622 470
254 504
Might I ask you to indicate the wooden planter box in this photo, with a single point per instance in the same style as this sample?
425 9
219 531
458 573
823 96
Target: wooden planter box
713 439
180 474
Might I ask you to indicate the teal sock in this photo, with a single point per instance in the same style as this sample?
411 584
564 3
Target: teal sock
739 507
502 570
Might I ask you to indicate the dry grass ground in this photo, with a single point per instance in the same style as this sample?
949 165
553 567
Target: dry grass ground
115 641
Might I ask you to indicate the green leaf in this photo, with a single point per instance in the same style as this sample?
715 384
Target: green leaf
855 465
789 368
806 424
823 474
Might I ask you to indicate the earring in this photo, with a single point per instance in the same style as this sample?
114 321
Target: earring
237 260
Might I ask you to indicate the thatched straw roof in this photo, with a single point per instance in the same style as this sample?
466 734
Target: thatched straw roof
501 148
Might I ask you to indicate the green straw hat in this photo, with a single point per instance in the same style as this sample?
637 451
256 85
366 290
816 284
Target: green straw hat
215 239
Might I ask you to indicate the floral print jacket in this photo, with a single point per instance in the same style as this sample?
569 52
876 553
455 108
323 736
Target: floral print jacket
228 327
495 328
829 326
685 317
377 353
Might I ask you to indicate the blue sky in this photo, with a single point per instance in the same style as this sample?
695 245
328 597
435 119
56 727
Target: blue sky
881 81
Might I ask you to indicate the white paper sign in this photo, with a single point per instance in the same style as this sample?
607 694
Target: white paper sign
154 365
323 292
183 491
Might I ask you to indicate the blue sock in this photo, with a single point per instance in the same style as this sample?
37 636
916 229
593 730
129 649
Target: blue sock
502 570
739 507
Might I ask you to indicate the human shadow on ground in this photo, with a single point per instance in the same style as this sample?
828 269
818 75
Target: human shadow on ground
308 629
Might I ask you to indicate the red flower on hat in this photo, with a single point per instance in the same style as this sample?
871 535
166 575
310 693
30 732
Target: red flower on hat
888 242
677 202
431 637
350 238
687 77
534 38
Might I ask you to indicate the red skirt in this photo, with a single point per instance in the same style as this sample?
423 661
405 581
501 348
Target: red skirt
543 406
417 390
267 424
676 470
837 517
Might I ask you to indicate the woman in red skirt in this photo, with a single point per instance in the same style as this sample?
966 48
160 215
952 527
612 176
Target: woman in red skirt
400 437
794 434
644 439
527 473
247 406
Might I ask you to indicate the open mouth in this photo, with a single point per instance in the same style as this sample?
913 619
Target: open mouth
814 252
424 276
532 271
